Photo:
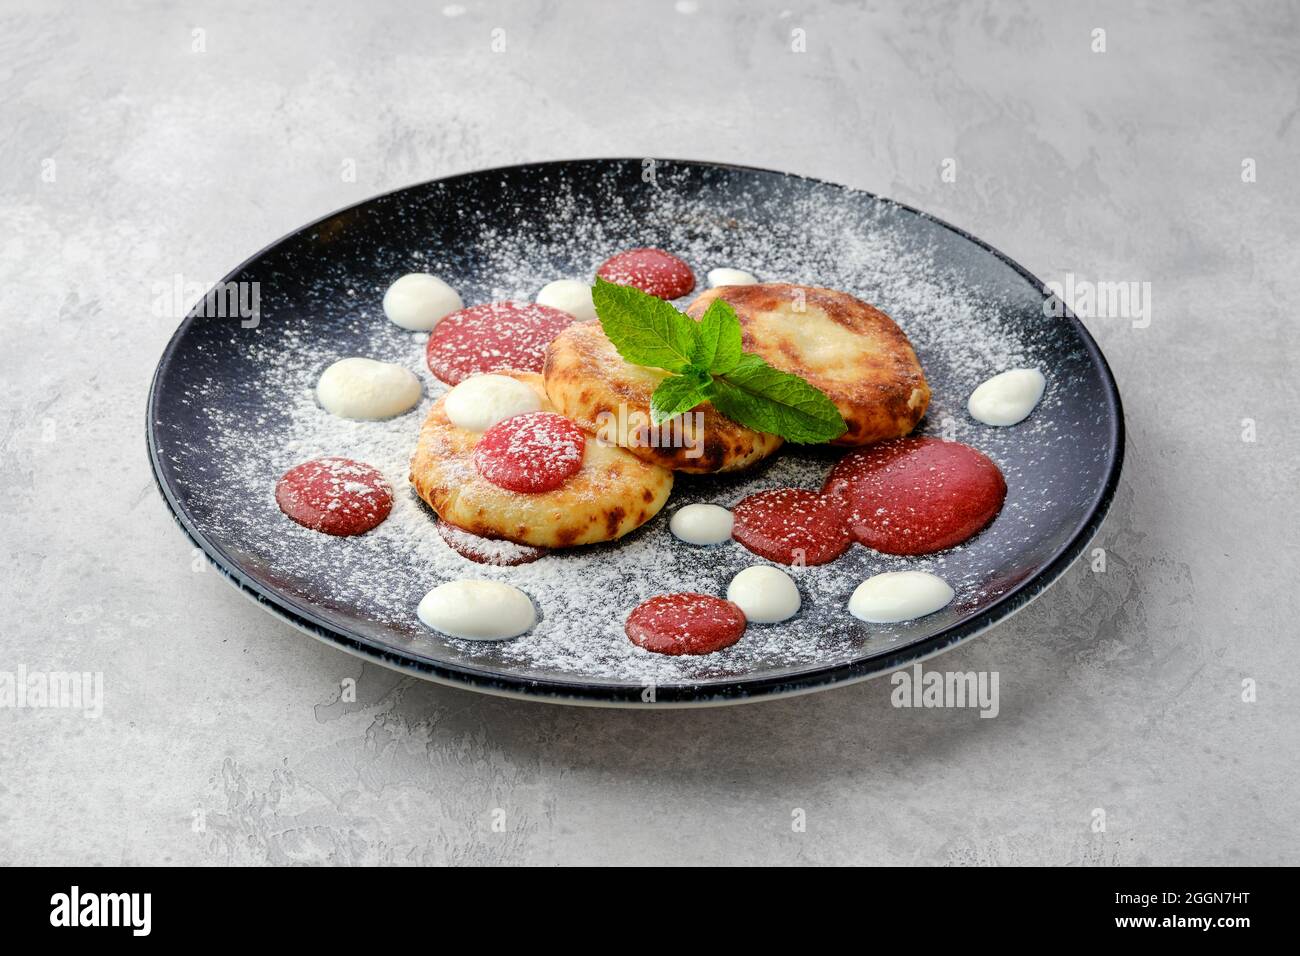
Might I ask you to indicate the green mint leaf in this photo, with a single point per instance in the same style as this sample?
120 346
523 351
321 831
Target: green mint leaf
719 348
714 367
645 330
769 400
677 394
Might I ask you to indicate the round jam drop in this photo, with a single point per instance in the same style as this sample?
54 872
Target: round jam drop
530 453
651 270
498 553
792 526
335 495
489 338
917 495
685 624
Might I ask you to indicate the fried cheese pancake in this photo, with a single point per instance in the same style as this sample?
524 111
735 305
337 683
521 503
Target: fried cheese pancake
611 493
587 380
850 350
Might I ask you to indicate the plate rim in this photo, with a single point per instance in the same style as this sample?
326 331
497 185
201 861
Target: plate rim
673 694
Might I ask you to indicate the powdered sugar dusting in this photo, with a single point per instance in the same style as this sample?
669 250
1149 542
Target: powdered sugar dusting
226 440
503 554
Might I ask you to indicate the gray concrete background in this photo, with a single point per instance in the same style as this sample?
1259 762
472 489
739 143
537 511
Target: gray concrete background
1120 691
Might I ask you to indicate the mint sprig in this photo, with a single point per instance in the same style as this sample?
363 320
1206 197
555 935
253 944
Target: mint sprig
649 330
707 363
718 345
677 394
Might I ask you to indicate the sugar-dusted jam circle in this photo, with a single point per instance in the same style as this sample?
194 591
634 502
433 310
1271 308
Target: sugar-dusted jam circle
336 496
653 271
685 624
530 453
493 337
792 525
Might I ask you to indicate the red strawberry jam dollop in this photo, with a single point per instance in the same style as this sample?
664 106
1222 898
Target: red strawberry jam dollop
530 453
336 496
653 271
492 337
685 624
792 525
917 495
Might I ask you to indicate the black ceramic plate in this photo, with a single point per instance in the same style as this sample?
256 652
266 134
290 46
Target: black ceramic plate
231 409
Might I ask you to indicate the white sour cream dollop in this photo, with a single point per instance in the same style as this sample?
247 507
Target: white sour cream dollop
419 301
366 390
1008 398
702 524
569 295
478 610
724 276
899 596
766 594
481 401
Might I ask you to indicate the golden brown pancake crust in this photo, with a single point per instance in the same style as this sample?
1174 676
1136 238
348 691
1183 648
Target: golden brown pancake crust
850 350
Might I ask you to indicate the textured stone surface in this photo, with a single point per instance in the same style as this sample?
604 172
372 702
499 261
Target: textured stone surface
1120 691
